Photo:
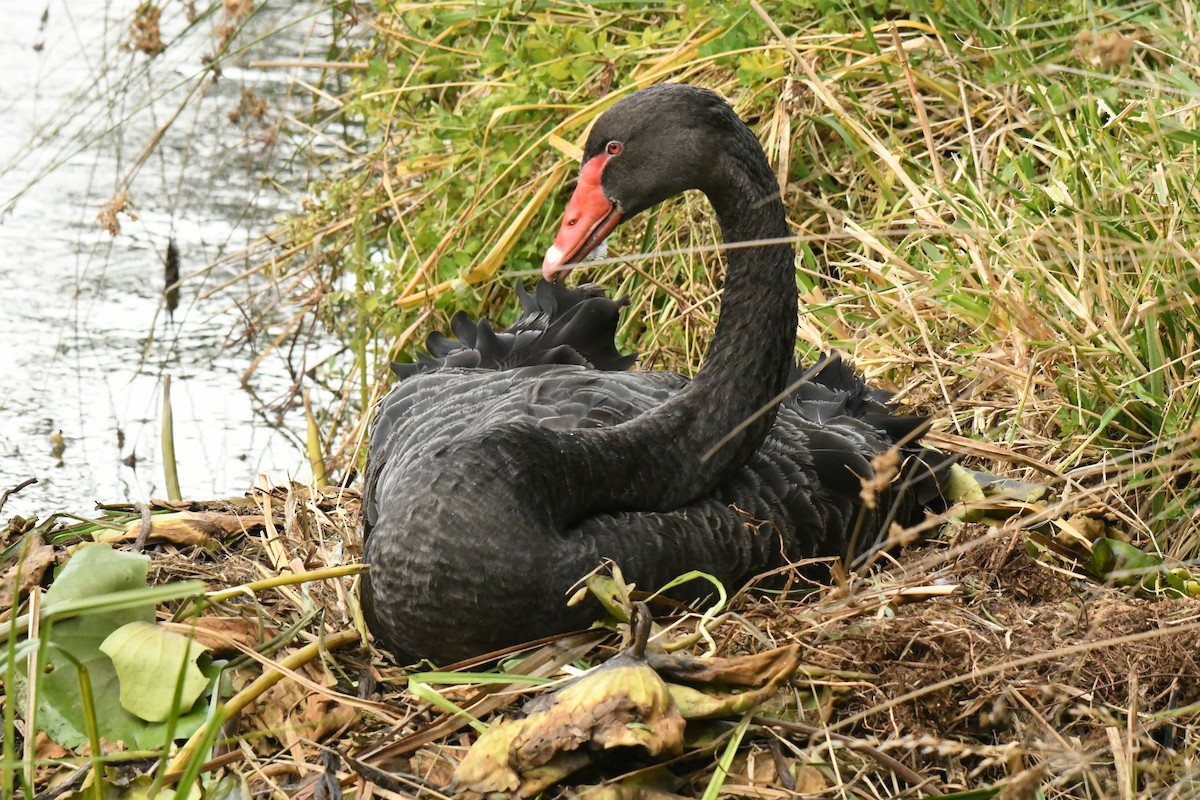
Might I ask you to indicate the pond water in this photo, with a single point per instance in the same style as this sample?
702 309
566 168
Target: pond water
86 338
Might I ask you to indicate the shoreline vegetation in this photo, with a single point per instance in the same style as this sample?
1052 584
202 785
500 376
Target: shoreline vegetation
996 213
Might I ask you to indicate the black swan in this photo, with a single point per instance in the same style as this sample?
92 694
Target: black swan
491 488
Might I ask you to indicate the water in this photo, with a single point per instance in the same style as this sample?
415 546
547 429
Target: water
86 339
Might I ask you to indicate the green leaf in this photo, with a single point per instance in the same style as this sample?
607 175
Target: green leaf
96 572
93 571
145 657
962 486
1125 565
1114 556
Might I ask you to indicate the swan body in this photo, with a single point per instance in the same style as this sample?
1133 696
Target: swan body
505 467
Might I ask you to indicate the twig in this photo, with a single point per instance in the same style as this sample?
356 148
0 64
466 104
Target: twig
14 490
390 781
144 531
899 770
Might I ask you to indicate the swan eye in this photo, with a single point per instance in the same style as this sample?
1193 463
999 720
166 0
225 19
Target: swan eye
613 148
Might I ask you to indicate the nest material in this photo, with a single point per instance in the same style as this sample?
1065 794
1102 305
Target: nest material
969 670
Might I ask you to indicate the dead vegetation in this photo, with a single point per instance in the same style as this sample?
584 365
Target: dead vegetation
962 664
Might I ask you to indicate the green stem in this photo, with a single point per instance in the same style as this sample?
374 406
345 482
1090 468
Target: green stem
95 754
360 343
316 456
325 573
189 760
10 709
168 444
106 603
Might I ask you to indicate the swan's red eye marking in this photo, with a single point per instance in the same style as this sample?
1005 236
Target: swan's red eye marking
613 149
589 219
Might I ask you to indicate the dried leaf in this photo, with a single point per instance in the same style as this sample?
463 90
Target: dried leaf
486 767
765 671
323 716
293 713
220 635
810 781
32 568
188 528
276 708
46 748
757 670
623 703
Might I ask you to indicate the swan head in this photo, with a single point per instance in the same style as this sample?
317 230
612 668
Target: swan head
654 144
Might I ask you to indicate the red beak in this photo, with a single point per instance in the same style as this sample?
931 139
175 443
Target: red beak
589 219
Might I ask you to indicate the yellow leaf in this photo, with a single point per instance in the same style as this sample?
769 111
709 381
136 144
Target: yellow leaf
185 528
622 703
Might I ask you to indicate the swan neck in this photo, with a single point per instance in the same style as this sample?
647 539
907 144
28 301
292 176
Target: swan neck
685 447
751 354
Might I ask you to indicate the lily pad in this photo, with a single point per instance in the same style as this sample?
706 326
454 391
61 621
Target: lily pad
95 575
143 654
